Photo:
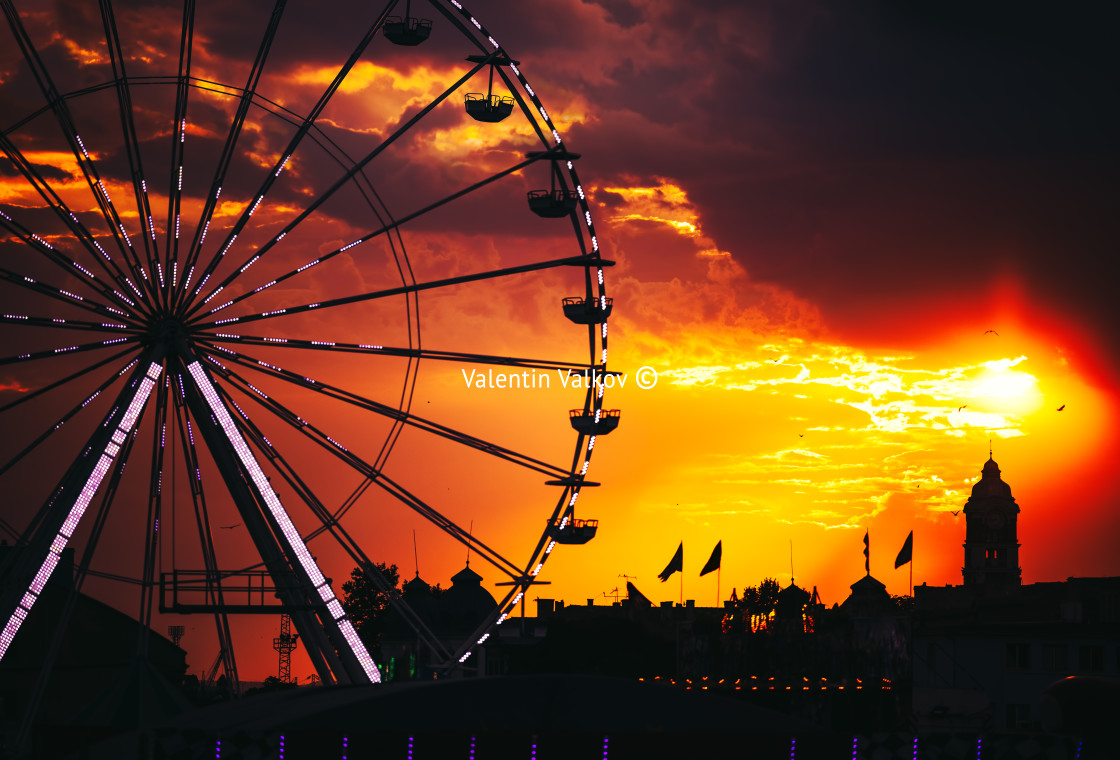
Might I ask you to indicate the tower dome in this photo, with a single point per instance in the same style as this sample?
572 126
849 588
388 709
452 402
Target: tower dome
990 484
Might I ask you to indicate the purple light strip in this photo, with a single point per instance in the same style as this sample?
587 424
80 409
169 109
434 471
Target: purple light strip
122 431
296 546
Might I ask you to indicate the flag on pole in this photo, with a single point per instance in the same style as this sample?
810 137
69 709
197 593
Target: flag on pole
906 553
867 551
676 564
713 561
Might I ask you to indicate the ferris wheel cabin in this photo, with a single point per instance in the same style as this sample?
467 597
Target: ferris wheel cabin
594 423
573 532
407 31
590 311
489 109
553 204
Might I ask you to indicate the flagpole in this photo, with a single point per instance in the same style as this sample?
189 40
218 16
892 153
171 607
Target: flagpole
911 571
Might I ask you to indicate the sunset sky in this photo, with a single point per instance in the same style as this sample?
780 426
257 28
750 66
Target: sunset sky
858 246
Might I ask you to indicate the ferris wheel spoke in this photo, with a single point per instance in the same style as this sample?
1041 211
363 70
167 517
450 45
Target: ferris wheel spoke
214 593
85 161
63 295
385 410
379 478
51 353
342 181
395 225
465 537
64 324
81 233
38 517
70 267
406 289
229 149
293 145
330 523
178 149
83 372
416 353
132 148
66 417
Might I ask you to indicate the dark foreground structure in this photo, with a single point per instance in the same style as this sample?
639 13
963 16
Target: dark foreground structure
567 717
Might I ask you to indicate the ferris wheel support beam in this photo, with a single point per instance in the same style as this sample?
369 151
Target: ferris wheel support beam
295 572
23 584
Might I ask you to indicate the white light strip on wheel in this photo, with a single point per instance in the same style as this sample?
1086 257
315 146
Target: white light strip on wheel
280 515
123 430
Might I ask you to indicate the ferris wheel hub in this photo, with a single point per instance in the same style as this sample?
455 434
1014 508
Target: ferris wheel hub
166 331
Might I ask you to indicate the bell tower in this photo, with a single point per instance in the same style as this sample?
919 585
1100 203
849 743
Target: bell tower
991 544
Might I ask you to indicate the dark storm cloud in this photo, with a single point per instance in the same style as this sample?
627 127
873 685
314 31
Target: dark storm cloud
866 155
862 155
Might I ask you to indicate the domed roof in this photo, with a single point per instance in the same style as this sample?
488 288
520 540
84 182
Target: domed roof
466 603
869 597
416 586
990 485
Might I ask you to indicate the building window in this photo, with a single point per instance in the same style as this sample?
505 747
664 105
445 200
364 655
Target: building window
1018 716
1055 658
1090 658
1018 655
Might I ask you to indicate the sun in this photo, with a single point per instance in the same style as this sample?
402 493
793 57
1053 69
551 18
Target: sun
1000 385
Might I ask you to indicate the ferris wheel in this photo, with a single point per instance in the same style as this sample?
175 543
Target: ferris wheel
227 282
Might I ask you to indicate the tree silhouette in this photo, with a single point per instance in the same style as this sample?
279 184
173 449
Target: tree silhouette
366 604
755 608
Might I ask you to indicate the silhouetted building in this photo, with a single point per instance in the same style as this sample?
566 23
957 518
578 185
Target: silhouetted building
991 544
984 652
96 678
451 616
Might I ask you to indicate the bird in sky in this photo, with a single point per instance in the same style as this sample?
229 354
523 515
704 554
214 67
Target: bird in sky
962 406
229 527
993 332
800 435
1060 408
955 513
